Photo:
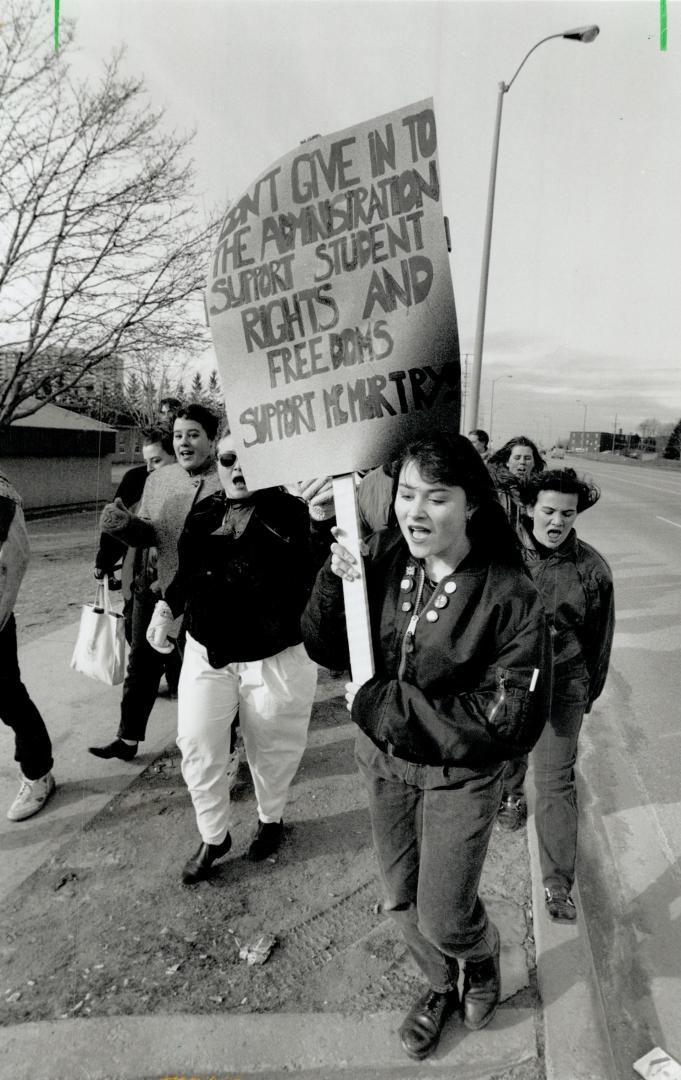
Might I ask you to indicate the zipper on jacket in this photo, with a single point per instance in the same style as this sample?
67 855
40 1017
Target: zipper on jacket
408 639
501 697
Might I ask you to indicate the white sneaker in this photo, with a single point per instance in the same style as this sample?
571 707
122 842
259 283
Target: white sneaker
33 794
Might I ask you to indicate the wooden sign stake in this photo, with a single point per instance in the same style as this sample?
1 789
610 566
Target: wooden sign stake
354 592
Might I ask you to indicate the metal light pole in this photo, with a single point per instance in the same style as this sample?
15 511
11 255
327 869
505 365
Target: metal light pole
491 402
585 406
582 33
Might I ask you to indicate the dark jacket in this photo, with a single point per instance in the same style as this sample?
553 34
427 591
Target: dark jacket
112 551
243 594
374 500
456 692
576 586
511 491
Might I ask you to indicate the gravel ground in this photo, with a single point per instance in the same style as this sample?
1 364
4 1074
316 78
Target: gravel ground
59 576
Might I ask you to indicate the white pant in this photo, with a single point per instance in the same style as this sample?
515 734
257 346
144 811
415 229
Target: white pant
274 697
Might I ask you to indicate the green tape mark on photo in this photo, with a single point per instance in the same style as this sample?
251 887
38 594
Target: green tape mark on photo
663 25
56 25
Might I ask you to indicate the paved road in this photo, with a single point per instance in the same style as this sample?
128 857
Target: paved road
630 875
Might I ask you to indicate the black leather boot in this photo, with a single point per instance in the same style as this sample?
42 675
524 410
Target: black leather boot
115 749
199 866
422 1026
267 840
481 990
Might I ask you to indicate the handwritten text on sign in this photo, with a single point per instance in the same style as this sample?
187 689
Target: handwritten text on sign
331 304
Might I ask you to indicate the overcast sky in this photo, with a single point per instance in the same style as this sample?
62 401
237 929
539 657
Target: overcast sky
583 297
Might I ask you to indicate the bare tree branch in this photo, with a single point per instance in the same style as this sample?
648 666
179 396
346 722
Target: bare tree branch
102 253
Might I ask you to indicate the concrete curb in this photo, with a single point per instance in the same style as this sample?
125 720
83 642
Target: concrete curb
576 1041
268 1044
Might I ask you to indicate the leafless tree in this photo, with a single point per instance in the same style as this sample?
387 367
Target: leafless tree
102 256
652 427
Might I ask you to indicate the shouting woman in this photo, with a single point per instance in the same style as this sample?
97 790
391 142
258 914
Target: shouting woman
461 649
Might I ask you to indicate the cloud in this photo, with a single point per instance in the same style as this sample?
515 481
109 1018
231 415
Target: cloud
556 381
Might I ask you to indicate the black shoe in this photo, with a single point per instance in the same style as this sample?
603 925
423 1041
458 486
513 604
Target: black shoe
481 991
559 904
512 813
117 749
422 1026
267 840
198 868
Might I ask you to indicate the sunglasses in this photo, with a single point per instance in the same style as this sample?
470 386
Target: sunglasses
228 459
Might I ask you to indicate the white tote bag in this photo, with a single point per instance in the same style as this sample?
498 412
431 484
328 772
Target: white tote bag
100 645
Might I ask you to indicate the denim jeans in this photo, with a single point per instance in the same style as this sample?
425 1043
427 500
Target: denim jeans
144 671
554 756
431 831
514 777
33 749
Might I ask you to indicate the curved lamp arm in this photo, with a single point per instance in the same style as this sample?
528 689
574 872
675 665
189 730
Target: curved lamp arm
582 33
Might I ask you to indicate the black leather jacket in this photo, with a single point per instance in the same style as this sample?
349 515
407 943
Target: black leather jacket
243 594
459 690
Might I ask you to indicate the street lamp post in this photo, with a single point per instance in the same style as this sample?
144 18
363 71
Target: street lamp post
582 33
585 407
491 402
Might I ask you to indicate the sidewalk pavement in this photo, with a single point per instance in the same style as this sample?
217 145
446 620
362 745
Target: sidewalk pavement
271 1045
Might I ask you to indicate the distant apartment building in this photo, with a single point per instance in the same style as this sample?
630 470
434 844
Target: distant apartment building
101 379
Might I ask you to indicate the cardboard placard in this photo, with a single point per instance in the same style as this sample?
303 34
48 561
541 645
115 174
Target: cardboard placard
331 306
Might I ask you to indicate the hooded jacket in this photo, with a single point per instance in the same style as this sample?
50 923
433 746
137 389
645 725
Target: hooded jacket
462 677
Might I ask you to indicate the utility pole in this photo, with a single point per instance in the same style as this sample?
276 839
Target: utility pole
464 392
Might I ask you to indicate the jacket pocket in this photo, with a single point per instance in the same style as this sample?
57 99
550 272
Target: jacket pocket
507 709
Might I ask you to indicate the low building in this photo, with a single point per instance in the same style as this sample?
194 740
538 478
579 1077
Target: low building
591 442
630 445
58 459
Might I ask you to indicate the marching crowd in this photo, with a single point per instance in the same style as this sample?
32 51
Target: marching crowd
491 626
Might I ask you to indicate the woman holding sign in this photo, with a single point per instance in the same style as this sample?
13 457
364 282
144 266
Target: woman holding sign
461 649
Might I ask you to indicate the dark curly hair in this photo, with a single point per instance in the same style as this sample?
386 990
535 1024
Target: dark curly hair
501 456
199 414
453 460
159 434
566 482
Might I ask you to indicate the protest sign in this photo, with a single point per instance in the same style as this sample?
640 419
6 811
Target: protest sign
331 306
